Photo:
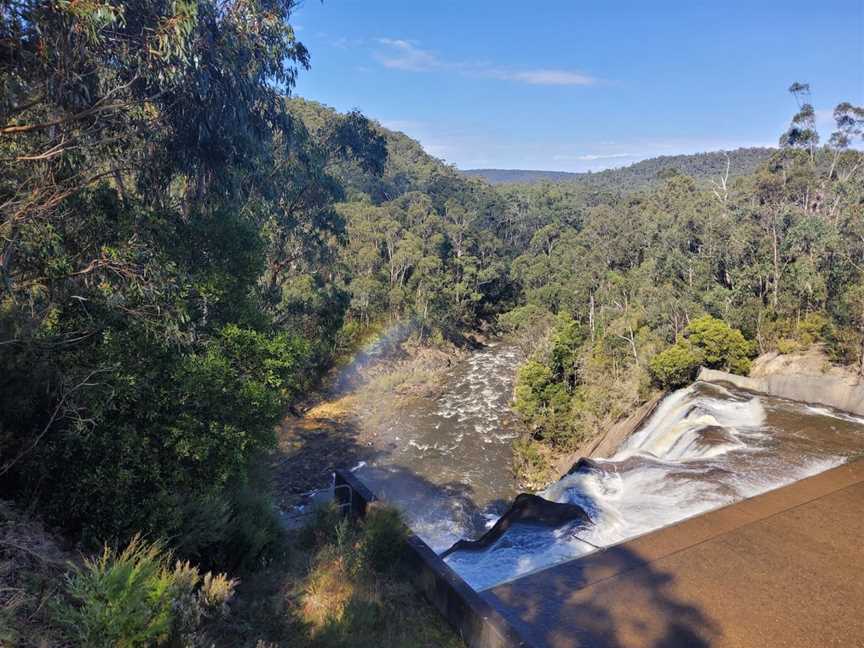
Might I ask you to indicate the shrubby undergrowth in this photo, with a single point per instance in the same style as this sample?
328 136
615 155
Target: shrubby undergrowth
137 598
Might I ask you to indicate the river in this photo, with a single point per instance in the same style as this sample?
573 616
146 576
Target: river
705 446
448 468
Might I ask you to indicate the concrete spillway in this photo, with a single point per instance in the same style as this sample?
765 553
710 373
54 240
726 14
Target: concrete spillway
705 446
785 568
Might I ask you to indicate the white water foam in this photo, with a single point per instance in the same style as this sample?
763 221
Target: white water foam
704 447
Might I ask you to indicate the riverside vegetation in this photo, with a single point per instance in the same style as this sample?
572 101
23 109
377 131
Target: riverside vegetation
186 248
637 290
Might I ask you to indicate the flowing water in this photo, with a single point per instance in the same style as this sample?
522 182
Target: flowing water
449 464
705 446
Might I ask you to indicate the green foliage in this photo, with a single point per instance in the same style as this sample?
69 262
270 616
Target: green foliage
640 265
124 599
382 543
530 395
239 531
565 341
718 345
162 296
134 598
707 342
424 243
676 366
793 336
531 462
569 391
182 244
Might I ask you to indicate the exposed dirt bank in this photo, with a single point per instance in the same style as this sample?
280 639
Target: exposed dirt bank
807 377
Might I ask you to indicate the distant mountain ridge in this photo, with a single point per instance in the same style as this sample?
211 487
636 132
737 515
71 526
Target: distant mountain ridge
700 166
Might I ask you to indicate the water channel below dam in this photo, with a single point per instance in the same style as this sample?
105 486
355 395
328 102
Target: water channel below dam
705 446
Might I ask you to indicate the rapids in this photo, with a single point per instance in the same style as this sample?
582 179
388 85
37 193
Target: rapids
705 446
448 468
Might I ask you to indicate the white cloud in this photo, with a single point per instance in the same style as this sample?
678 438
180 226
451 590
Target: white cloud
403 54
546 77
346 43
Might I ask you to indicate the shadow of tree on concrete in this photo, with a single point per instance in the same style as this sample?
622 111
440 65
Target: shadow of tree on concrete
582 604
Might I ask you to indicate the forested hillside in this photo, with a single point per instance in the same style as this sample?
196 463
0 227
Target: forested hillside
167 289
422 243
637 291
702 167
185 248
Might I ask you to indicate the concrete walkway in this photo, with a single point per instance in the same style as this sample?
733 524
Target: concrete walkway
782 569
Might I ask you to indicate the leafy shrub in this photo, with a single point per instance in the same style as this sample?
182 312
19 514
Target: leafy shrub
676 366
124 599
721 346
787 345
530 462
542 402
792 335
531 394
322 527
166 428
813 327
134 598
708 342
526 324
382 539
238 532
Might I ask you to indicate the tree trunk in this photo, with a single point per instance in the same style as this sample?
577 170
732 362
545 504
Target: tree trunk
776 250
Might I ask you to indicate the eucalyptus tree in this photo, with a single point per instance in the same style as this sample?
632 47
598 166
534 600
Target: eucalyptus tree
153 188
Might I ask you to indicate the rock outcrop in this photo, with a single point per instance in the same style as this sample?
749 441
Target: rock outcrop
525 508
808 377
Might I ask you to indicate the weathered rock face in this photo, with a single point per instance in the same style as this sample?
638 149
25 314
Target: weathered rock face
525 508
808 377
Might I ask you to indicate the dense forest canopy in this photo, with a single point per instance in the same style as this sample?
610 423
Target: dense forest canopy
702 167
623 283
186 247
159 206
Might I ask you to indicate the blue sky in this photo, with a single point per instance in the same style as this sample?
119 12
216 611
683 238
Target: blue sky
581 85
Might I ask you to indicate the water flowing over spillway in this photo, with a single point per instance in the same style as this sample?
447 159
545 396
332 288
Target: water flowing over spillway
705 446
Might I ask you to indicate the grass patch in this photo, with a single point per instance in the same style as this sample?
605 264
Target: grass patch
32 565
336 583
341 584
